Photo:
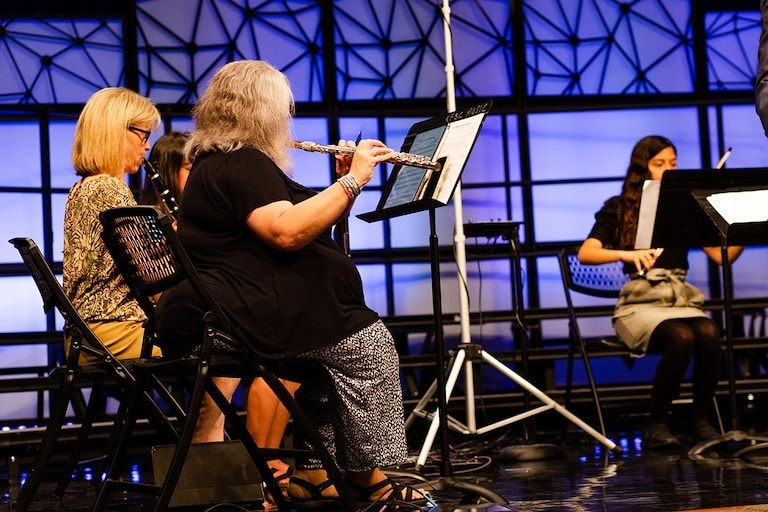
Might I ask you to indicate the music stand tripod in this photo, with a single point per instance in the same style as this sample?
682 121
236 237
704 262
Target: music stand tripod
465 353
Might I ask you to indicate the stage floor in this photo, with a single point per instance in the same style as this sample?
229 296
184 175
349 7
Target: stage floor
582 476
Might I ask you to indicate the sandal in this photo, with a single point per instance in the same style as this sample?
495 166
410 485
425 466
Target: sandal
283 479
398 495
315 491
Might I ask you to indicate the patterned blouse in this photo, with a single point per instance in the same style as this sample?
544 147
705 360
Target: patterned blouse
91 279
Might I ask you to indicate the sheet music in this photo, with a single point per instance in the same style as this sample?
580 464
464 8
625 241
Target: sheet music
448 140
411 181
649 200
742 206
456 144
406 187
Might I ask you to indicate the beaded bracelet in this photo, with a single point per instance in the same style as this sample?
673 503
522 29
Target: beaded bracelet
350 185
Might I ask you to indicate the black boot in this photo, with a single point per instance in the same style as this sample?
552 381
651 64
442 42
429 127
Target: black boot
658 435
702 431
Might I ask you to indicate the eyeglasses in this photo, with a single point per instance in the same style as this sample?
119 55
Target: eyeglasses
144 134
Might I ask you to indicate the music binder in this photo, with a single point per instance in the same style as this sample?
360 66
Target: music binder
446 139
681 220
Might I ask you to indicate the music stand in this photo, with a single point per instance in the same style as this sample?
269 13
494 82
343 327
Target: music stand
410 190
705 213
460 130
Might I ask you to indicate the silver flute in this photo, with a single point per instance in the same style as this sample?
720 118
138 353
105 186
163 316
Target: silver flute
395 158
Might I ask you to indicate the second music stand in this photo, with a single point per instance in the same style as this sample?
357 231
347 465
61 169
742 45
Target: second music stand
698 220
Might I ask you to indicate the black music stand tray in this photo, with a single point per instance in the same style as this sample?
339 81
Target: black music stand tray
688 197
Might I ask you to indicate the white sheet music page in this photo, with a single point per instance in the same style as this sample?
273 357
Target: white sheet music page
742 206
457 142
649 200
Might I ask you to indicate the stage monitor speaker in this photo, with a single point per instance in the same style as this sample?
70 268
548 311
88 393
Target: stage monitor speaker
213 473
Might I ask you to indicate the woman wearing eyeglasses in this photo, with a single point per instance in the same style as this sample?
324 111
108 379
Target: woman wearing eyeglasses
110 142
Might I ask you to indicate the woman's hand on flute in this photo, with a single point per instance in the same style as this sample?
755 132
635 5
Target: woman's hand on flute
361 164
344 161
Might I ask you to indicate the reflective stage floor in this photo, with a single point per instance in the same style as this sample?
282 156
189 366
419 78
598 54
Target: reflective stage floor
582 476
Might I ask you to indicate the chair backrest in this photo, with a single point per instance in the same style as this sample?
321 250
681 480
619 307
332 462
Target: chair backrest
54 297
605 280
149 254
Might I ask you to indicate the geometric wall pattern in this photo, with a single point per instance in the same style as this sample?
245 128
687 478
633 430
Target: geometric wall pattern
587 47
58 60
380 50
731 50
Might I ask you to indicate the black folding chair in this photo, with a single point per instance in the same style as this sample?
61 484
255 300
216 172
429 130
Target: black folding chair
604 281
145 246
72 376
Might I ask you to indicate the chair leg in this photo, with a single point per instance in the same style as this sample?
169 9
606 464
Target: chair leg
115 462
576 339
716 407
82 438
185 440
14 475
159 421
568 387
592 386
300 423
307 429
50 438
240 432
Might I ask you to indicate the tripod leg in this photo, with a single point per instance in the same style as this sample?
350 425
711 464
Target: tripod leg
453 376
420 408
530 388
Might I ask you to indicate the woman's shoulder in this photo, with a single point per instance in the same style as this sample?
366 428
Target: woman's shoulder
101 191
252 156
245 162
247 158
99 184
103 181
611 205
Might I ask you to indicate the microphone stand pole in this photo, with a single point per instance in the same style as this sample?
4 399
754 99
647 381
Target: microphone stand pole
459 240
